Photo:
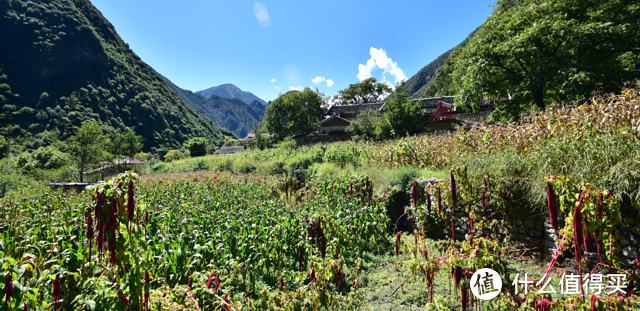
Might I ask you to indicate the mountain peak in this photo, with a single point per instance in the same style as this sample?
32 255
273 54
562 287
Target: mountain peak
231 91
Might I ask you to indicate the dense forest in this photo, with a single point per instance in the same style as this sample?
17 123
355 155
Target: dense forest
65 64
232 114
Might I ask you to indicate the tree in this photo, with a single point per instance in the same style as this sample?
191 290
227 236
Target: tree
371 124
124 143
367 91
197 146
540 51
402 113
293 113
259 139
86 147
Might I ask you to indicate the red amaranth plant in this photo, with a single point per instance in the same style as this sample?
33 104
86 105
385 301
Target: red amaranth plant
594 301
286 188
113 222
300 259
281 285
215 290
100 224
56 292
313 276
146 290
465 297
586 235
124 299
90 233
543 305
457 275
209 280
8 288
226 302
553 207
398 237
453 190
131 203
596 233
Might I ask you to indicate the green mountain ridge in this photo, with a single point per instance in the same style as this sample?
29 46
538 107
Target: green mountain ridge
63 63
232 114
231 91
434 78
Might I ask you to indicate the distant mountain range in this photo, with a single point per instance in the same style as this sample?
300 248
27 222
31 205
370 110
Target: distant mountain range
434 79
231 91
232 114
62 63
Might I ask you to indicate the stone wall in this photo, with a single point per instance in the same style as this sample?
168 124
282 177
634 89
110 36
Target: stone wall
473 118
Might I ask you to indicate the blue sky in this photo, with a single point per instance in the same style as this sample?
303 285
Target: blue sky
269 47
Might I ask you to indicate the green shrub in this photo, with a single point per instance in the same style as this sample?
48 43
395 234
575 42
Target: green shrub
174 155
197 146
244 166
403 177
343 154
277 167
198 165
160 167
225 164
43 158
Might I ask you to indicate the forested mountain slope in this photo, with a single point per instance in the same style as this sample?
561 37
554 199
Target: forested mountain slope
232 114
434 77
62 63
231 91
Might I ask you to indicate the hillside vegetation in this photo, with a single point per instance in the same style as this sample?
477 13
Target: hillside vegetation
430 81
63 63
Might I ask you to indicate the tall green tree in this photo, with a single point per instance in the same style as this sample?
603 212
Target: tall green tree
402 113
540 51
87 147
294 112
366 91
197 146
123 144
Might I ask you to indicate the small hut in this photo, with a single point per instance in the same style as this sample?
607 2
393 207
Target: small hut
230 150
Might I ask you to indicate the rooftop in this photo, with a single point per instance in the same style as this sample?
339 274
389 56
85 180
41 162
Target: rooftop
230 150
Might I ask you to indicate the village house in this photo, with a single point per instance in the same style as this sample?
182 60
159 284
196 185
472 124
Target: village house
435 111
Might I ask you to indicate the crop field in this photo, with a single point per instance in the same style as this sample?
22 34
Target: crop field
312 229
204 244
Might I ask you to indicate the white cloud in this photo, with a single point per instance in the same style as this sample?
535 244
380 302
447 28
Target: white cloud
317 80
277 87
273 80
293 88
329 83
380 60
